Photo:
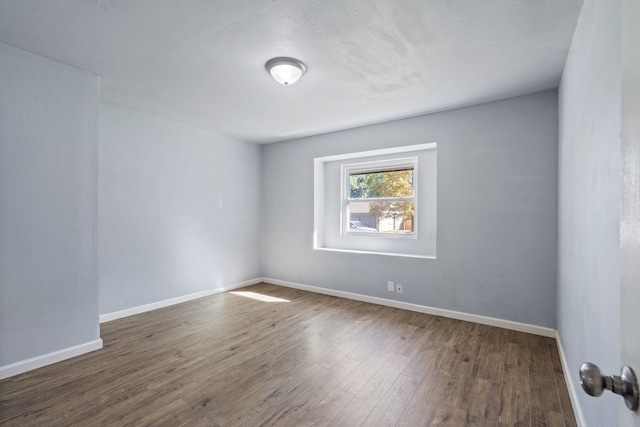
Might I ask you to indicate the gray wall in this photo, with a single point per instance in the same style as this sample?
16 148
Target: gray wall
48 181
497 212
588 245
179 210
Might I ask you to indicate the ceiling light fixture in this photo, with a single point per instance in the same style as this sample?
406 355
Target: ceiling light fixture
285 71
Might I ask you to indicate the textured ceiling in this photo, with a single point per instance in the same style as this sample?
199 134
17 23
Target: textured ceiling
202 61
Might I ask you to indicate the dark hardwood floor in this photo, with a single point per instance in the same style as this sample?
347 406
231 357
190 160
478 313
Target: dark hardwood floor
230 360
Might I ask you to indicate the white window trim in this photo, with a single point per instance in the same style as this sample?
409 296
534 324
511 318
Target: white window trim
377 166
320 195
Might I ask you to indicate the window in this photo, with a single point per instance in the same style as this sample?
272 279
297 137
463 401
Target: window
377 202
379 198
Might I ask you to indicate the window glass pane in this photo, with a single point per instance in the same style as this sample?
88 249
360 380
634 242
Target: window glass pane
381 216
392 183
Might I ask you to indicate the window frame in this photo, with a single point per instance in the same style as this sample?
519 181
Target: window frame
376 166
327 202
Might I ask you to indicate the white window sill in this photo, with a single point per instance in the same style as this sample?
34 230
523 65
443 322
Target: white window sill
352 251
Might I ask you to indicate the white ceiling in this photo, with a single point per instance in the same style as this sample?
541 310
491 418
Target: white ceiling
202 61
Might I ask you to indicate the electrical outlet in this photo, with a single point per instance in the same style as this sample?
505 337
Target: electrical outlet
390 287
398 288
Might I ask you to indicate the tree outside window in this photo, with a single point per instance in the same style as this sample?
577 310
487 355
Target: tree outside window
382 199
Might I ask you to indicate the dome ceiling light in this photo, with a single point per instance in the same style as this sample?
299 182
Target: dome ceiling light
285 71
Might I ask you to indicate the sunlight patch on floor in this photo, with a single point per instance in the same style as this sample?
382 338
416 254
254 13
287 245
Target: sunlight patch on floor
259 297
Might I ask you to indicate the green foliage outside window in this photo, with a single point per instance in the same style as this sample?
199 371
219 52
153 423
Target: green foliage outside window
387 185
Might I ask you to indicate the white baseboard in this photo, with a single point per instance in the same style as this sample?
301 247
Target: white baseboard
22 366
107 317
475 318
571 385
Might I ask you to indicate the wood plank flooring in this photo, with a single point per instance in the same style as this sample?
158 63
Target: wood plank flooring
230 360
